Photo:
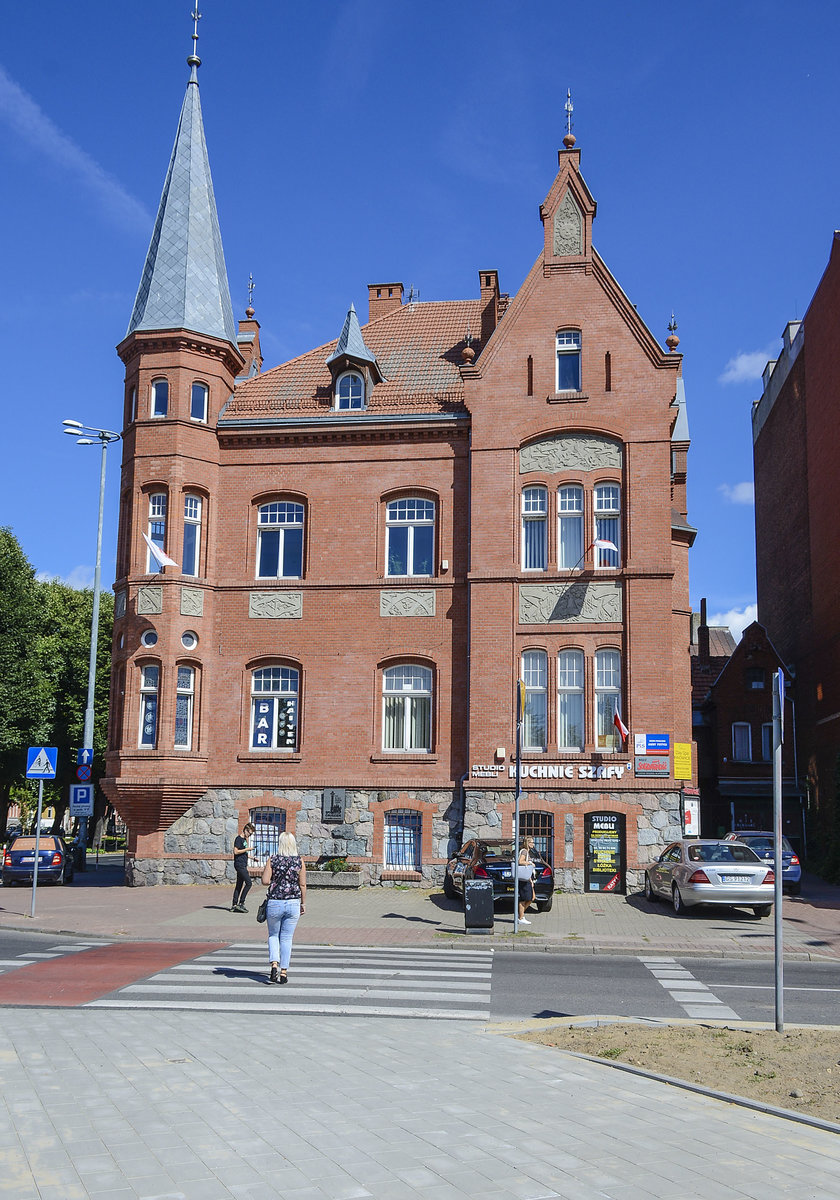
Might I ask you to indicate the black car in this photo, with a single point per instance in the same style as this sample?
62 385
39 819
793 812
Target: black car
55 860
493 858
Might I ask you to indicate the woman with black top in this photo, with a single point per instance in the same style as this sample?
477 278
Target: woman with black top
240 865
285 875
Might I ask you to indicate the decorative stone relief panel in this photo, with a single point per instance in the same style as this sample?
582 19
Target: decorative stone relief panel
597 601
280 605
408 603
150 599
568 227
119 605
192 602
571 451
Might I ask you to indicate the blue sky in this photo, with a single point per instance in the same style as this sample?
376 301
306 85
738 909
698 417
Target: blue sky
359 141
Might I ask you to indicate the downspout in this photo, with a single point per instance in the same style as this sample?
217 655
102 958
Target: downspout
465 776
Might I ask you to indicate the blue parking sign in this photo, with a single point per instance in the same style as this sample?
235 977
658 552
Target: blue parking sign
81 800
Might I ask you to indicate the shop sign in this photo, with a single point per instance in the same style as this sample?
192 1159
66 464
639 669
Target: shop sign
682 760
651 743
486 770
592 770
604 835
652 764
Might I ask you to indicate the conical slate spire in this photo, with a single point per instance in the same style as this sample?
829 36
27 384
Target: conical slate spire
184 284
351 342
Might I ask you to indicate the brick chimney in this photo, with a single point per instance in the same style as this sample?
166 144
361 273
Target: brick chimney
703 652
489 291
383 298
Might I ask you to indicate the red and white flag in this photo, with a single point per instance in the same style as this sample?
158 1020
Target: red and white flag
623 731
157 553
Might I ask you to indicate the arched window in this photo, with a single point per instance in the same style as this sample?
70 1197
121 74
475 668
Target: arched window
535 678
192 534
570 700
157 530
274 708
570 527
607 692
199 395
607 524
149 687
534 528
403 839
350 391
410 537
280 540
568 360
407 708
160 398
184 708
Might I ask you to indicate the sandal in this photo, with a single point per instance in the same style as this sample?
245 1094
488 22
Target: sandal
272 976
283 976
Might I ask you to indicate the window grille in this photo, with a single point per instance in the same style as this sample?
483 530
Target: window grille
403 830
539 826
268 824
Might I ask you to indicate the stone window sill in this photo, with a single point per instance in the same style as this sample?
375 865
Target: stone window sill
268 757
566 397
401 877
396 756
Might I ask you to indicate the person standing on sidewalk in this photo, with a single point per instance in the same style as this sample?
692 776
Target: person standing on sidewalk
285 875
525 878
241 850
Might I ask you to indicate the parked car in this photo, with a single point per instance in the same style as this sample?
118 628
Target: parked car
693 872
493 858
55 860
764 844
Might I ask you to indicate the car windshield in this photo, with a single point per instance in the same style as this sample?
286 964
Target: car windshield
725 852
763 842
48 842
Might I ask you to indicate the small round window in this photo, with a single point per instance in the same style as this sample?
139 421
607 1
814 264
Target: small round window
149 638
189 640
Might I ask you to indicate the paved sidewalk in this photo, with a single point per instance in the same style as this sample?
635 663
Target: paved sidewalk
97 905
161 1106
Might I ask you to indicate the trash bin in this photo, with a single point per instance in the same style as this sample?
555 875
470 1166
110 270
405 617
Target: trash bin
478 904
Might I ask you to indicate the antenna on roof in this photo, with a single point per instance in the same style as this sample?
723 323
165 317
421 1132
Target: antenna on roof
570 139
193 60
413 294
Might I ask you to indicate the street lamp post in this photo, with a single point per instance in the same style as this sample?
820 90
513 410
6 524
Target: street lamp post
89 435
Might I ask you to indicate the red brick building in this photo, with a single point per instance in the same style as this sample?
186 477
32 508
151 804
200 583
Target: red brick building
795 448
372 542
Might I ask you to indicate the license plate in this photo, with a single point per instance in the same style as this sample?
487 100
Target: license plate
30 859
735 879
509 887
506 874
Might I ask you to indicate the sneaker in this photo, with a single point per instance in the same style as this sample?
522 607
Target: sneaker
524 921
241 908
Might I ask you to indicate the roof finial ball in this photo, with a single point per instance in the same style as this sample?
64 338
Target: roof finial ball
193 60
570 139
249 311
672 341
467 353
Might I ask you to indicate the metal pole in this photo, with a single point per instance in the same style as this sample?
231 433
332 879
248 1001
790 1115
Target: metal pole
37 846
778 738
520 704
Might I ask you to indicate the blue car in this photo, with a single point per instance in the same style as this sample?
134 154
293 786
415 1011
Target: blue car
55 860
763 842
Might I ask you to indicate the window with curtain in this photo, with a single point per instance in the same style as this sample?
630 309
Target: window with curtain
535 719
403 840
280 540
767 741
570 700
607 693
741 741
407 708
410 537
149 684
607 523
192 534
184 708
157 530
534 528
274 708
570 527
268 824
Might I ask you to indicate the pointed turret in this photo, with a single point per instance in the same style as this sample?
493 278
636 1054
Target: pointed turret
351 344
184 284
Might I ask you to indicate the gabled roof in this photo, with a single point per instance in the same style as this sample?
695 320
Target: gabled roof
184 283
416 346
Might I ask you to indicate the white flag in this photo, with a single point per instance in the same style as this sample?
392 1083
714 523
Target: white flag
604 544
158 554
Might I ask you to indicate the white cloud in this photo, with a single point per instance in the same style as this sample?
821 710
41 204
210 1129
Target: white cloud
79 578
738 493
747 367
736 618
32 125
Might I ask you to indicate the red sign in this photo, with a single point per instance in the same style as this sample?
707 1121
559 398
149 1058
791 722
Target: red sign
83 772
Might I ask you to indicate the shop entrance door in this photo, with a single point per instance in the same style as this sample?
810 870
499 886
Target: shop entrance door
606 857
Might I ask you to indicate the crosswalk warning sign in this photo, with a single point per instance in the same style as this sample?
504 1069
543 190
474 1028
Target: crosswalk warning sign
41 762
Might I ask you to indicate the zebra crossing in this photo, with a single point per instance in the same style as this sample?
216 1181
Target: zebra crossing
694 997
384 982
35 956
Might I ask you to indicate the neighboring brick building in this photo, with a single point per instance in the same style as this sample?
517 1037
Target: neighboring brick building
374 540
796 442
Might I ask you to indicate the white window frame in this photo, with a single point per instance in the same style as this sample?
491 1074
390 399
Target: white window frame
570 514
571 678
275 708
403 838
279 517
535 718
159 399
184 706
158 505
407 692
147 734
410 513
607 696
738 728
192 521
534 505
132 405
354 399
197 388
606 503
568 344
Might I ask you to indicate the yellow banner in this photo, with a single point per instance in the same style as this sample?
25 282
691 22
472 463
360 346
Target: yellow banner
682 760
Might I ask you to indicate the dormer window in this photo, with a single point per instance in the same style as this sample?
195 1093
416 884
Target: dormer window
350 391
568 360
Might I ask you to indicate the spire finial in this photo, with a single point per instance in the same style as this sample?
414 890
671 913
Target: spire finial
672 341
570 139
249 311
193 61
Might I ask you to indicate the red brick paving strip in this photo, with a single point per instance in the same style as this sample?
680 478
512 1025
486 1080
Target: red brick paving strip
85 975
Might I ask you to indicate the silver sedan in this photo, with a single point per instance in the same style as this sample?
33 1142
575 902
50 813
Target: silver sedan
703 872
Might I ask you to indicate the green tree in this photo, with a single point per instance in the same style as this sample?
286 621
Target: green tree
24 693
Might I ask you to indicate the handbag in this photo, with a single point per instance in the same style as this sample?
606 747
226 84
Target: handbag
261 911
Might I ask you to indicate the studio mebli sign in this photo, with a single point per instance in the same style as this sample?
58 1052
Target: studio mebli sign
578 770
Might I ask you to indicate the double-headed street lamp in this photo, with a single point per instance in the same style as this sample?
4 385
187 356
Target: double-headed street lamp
89 435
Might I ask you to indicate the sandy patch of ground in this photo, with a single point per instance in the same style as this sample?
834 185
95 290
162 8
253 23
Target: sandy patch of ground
798 1069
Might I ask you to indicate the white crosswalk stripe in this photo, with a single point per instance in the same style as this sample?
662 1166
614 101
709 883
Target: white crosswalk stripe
694 997
35 956
363 981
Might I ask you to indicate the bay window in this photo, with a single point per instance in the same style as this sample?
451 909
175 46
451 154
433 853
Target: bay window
192 534
157 530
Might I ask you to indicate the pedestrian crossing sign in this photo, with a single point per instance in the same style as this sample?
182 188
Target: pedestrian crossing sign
41 762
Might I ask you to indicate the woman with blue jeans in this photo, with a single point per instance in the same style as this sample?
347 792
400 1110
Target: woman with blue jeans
285 875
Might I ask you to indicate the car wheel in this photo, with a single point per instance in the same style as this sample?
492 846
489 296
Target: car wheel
545 905
449 887
795 889
762 910
650 895
677 901
68 876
